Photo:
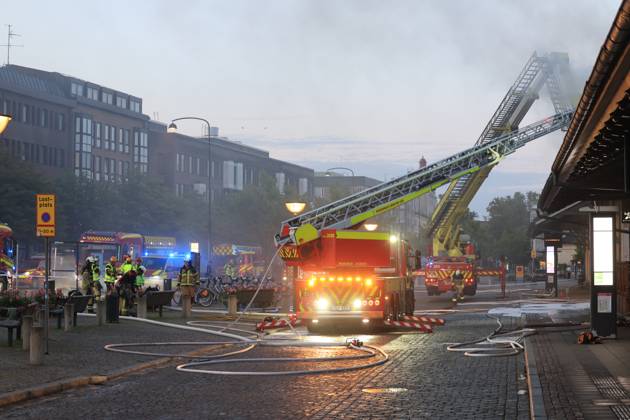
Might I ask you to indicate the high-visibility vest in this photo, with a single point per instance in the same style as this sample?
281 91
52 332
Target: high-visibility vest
96 272
187 277
140 270
126 267
110 273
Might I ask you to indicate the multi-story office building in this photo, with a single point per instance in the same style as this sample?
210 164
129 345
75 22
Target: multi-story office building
181 161
62 123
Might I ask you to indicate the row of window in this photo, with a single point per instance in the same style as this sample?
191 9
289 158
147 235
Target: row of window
97 94
30 114
192 165
198 188
89 134
37 153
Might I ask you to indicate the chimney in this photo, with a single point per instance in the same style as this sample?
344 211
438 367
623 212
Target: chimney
423 162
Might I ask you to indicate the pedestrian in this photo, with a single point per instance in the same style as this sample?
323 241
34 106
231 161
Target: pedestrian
458 285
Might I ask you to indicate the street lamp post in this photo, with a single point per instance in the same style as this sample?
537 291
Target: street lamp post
172 128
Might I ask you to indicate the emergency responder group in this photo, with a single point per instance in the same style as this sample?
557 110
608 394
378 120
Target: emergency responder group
126 281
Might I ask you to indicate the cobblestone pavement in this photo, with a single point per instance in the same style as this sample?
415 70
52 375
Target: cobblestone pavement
80 352
433 383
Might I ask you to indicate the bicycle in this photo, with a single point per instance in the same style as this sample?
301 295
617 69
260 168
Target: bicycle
203 296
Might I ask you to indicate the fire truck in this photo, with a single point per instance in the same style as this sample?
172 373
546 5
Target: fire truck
246 260
342 273
439 271
351 277
158 253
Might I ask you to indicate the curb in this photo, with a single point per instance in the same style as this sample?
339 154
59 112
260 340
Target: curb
55 387
536 402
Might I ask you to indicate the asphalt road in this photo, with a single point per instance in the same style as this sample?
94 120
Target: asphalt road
421 380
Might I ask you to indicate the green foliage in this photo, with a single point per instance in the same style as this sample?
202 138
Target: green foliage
504 232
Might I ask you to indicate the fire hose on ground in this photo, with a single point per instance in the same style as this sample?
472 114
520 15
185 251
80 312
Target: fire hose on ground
250 342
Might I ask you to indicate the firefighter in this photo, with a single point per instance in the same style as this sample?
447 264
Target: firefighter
188 279
110 275
458 285
229 269
140 270
89 275
126 285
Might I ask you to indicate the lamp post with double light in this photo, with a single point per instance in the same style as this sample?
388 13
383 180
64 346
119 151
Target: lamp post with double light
172 128
295 207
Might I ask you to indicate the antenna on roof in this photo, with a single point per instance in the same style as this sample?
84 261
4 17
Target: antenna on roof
10 34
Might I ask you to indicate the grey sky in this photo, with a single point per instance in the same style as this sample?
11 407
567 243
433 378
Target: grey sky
367 84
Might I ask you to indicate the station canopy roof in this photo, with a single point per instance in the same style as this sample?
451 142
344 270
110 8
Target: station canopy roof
589 165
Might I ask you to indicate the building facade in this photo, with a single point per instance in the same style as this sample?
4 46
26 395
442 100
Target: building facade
62 124
181 161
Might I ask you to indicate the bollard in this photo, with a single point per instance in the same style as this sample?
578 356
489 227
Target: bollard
27 324
68 313
142 306
36 353
232 304
186 307
100 311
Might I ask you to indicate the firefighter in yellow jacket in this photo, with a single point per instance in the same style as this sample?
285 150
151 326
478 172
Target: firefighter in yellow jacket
188 278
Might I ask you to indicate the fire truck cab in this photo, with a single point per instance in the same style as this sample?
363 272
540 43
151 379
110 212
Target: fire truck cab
353 278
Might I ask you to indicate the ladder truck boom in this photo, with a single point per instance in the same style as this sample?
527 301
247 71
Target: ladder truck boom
356 208
549 70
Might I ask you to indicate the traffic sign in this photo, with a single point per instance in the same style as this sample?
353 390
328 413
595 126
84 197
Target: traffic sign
520 272
45 222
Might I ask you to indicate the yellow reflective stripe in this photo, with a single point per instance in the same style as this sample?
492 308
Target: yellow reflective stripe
353 234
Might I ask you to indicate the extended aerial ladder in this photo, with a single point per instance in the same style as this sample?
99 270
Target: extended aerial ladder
550 70
353 210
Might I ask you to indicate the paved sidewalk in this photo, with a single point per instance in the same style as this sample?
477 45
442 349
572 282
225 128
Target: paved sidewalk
80 352
583 381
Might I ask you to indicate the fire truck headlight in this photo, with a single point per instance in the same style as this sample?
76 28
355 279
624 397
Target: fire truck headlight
356 304
368 282
311 282
322 304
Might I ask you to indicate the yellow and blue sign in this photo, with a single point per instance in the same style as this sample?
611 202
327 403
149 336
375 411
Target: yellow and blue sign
45 222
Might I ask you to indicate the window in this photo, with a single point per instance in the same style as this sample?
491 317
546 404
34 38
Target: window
303 186
233 175
97 168
280 181
201 189
24 116
83 146
97 135
112 170
121 102
190 164
125 172
179 162
105 169
60 122
134 105
141 151
43 118
198 167
126 141
76 89
107 97
106 140
179 190
120 140
92 93
112 138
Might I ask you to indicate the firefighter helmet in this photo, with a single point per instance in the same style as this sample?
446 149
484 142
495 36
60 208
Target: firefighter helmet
113 259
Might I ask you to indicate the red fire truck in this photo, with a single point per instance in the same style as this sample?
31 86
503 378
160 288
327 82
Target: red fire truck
438 274
351 277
